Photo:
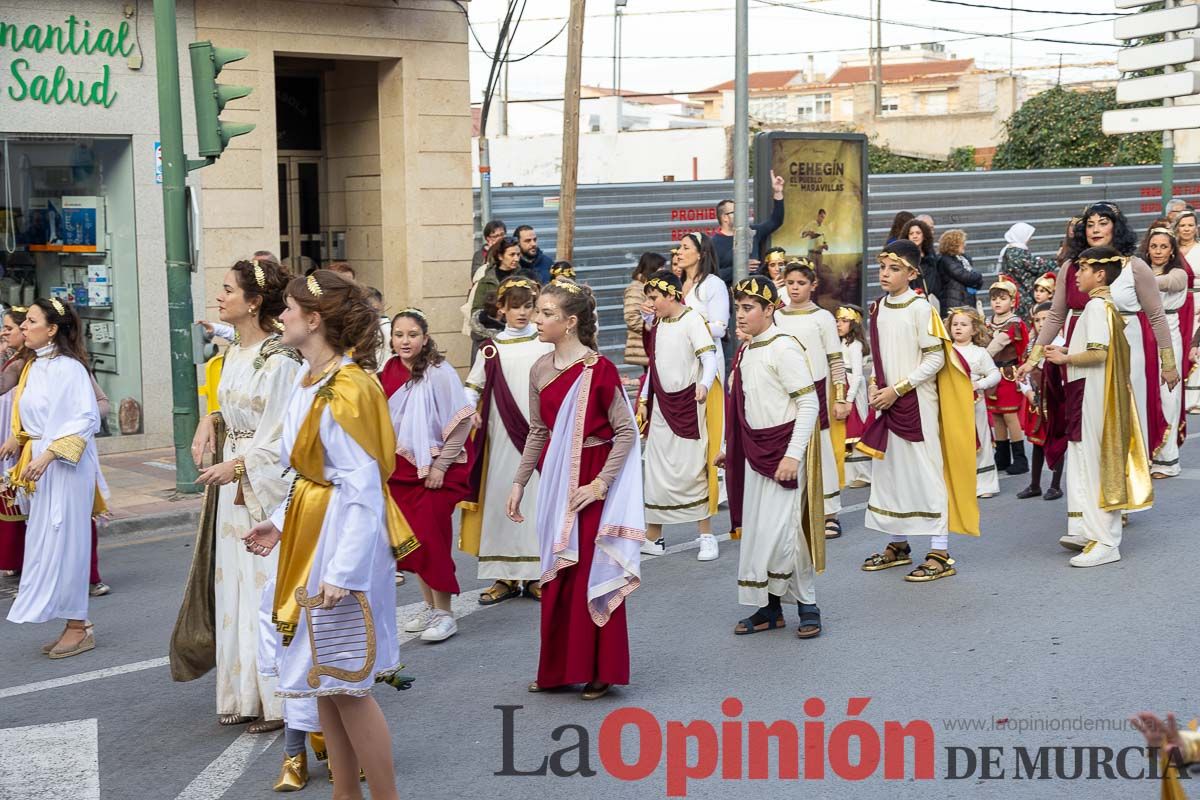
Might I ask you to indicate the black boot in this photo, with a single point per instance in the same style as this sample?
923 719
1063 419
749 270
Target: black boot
1020 465
1003 456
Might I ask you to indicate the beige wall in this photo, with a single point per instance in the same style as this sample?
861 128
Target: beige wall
410 149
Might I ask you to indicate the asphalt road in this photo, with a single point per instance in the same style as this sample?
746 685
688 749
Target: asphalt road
1017 635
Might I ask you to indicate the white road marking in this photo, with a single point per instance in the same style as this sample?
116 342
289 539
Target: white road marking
220 775
83 677
61 759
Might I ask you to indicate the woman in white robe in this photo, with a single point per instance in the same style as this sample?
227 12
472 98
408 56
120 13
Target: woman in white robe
55 420
703 289
1186 234
256 380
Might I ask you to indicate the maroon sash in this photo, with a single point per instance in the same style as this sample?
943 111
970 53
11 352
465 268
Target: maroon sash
1073 409
764 448
904 417
823 413
1054 398
679 409
495 389
1076 300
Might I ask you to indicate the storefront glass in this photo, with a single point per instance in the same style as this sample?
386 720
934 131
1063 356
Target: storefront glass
67 221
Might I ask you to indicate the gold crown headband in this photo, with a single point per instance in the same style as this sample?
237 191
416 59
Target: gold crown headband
260 277
662 286
1107 260
19 309
58 306
314 287
1113 207
888 257
848 314
570 287
777 257
416 312
756 288
801 260
563 272
519 283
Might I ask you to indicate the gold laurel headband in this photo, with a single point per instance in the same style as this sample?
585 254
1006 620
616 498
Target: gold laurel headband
58 306
314 287
519 283
778 257
848 314
260 277
570 287
755 288
887 256
19 309
662 286
801 260
1108 260
562 272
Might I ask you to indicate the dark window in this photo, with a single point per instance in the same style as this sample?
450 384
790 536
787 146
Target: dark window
298 112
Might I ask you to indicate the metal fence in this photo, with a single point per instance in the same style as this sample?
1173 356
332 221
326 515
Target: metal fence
616 223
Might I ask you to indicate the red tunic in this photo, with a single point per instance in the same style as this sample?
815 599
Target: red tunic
574 649
430 512
12 532
1006 398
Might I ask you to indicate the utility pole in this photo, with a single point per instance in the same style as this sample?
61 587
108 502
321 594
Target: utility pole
185 413
1168 137
618 29
570 145
504 94
741 141
878 57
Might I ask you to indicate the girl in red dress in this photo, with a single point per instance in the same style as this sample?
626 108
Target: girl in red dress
590 513
12 520
432 417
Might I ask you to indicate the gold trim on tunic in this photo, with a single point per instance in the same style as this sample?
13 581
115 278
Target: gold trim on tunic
69 448
905 304
905 514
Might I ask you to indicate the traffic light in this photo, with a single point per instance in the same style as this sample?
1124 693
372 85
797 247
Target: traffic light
210 97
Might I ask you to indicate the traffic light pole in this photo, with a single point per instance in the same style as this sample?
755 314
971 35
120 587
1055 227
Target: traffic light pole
184 404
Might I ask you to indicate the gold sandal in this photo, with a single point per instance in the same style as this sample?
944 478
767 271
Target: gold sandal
936 567
900 556
498 592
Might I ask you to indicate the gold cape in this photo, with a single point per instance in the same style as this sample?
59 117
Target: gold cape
956 413
714 423
358 406
1125 483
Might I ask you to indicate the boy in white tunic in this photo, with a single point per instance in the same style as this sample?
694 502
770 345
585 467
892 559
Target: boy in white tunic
969 333
680 483
498 383
773 467
1107 466
923 435
816 330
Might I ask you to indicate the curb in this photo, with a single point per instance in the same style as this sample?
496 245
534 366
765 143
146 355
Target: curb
164 521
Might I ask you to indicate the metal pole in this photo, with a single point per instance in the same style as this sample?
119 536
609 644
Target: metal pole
615 79
741 141
878 57
485 182
620 23
1168 137
184 410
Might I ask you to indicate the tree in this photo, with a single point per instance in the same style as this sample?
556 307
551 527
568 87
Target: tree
1061 128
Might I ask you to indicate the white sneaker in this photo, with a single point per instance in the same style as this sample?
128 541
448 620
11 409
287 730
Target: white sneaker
1096 554
655 548
441 627
1073 541
420 621
708 548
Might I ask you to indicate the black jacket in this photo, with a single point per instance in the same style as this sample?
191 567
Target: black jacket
723 245
930 279
955 279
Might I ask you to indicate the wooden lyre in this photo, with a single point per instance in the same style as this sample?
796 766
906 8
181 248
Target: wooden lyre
340 637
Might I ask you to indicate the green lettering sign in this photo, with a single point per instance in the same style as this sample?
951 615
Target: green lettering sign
73 37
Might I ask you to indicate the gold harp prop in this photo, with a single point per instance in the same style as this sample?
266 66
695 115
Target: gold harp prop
341 637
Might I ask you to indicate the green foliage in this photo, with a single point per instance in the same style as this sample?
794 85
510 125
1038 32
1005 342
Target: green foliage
1060 128
962 159
883 160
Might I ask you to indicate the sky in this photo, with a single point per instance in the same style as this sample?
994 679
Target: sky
677 46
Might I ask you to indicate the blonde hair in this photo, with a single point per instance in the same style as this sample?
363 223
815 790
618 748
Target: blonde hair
953 242
979 332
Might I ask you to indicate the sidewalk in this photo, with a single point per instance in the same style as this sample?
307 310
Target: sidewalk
142 493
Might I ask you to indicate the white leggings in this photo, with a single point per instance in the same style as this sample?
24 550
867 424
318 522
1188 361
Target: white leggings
940 542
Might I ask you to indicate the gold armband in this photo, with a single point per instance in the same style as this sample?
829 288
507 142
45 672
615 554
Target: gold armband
599 489
839 393
1035 355
69 448
1167 357
239 469
902 388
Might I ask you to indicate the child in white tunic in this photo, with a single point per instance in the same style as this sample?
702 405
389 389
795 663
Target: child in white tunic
1106 458
968 331
855 352
916 429
54 423
680 483
816 330
773 467
508 551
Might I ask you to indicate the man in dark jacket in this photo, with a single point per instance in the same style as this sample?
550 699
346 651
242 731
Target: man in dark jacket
723 239
532 257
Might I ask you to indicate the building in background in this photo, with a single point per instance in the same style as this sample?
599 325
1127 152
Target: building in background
360 154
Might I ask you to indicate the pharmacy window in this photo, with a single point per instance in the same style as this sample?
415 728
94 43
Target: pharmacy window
68 229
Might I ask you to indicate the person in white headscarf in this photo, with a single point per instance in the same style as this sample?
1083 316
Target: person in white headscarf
1019 264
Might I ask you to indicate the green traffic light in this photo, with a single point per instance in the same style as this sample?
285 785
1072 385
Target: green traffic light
210 98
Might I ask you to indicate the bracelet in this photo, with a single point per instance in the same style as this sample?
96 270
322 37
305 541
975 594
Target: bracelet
599 489
1035 355
902 388
239 469
1167 357
839 393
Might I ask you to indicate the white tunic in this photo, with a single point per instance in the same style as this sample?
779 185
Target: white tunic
711 298
1166 461
253 395
908 490
816 330
1124 297
1084 516
676 469
1192 392
58 401
774 557
507 550
353 551
858 465
984 376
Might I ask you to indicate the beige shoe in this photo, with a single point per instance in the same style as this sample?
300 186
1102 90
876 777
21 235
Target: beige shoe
88 642
48 646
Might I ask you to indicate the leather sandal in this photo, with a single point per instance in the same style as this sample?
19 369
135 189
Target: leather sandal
533 590
936 567
894 555
261 725
765 619
810 621
833 529
498 592
233 719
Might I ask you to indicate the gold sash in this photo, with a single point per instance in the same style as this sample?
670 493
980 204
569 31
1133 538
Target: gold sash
1125 483
358 406
956 413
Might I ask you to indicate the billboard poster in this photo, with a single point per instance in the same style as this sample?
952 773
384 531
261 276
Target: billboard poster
825 201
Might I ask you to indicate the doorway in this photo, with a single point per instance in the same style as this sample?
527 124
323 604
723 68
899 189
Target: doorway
300 235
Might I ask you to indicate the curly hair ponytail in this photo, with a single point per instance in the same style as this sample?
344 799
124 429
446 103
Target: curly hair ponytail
576 300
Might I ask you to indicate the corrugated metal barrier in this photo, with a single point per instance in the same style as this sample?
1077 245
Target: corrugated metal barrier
616 223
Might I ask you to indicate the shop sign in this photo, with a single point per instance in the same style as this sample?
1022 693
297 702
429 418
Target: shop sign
29 79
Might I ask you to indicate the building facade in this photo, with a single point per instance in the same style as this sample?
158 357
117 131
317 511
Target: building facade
361 154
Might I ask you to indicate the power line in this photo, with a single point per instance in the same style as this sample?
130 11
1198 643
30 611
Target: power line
1108 14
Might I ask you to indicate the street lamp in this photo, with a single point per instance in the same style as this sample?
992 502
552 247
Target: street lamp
618 7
